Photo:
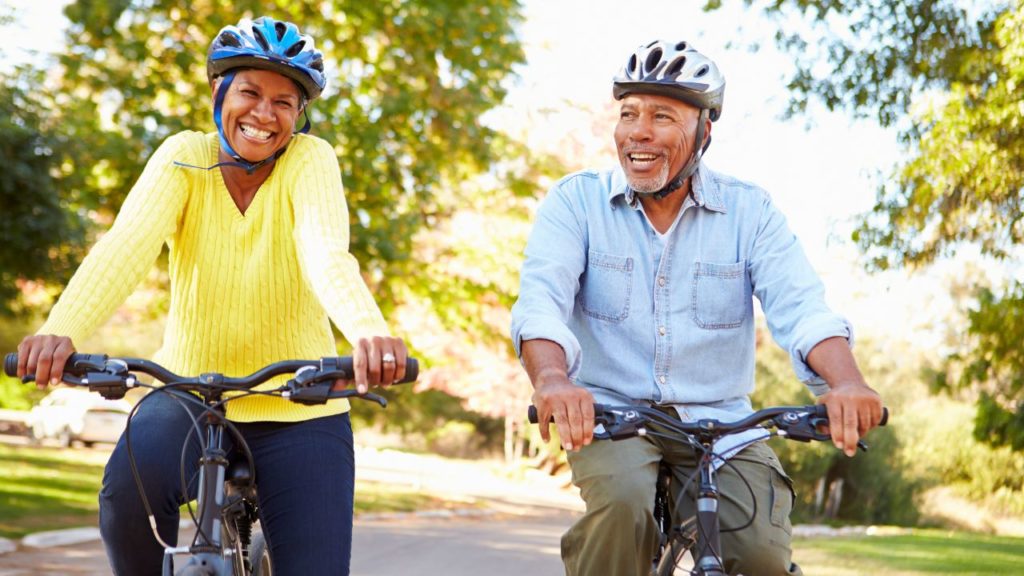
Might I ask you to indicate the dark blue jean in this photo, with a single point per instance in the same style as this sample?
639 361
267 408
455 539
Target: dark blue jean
305 475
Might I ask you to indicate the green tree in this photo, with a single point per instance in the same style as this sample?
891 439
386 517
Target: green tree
409 82
947 75
39 232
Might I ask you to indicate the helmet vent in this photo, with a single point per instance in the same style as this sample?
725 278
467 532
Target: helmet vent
295 49
280 28
229 39
652 59
681 46
703 70
676 67
259 38
631 67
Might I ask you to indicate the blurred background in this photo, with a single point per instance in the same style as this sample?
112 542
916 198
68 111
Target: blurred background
890 134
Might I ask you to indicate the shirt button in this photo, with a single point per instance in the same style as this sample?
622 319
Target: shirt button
662 379
661 281
661 330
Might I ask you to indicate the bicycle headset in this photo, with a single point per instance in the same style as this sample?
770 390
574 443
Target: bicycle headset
676 70
264 44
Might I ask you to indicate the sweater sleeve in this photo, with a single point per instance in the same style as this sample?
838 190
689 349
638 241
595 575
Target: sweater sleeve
322 237
121 258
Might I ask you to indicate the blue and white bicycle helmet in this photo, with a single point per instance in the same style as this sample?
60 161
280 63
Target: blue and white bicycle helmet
268 44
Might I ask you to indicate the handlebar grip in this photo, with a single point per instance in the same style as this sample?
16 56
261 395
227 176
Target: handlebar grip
412 369
822 411
11 364
531 414
76 365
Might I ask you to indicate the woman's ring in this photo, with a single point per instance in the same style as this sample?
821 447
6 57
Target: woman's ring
388 358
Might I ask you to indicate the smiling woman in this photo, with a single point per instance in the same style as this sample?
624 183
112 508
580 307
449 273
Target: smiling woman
258 235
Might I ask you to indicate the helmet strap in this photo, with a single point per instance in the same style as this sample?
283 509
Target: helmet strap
691 166
218 105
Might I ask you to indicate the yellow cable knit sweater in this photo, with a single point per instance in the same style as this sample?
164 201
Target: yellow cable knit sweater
246 290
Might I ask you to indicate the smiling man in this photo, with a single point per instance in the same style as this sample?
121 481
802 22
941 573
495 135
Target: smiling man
638 288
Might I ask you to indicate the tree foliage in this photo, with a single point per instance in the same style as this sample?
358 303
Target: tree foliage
948 76
408 83
39 232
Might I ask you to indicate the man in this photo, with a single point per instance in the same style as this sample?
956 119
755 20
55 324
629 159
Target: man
637 288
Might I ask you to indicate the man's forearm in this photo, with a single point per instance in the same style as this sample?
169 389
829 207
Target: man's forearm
543 359
832 360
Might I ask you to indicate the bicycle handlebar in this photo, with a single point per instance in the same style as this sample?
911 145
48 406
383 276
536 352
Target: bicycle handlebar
801 423
110 376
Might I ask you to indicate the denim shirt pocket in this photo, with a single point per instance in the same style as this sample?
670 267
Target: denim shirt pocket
606 286
720 294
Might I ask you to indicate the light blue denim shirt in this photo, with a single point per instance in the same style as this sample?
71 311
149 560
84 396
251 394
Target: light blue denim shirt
669 319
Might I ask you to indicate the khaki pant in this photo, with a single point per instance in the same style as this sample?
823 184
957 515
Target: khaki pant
617 535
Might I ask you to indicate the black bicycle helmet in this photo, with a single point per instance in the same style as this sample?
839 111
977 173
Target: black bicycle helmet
676 70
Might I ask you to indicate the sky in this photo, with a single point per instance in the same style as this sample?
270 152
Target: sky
822 170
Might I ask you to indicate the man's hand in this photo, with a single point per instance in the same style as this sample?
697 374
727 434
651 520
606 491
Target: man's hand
571 406
853 409
44 355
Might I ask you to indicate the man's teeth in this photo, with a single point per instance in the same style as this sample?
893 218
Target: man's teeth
640 157
255 132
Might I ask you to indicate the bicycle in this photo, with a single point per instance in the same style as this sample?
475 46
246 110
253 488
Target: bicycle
699 534
227 541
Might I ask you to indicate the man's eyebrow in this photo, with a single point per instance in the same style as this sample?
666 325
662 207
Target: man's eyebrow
664 108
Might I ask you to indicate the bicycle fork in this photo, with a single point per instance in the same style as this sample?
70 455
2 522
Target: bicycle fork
206 547
708 561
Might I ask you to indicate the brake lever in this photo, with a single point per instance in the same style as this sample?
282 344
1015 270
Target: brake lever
805 427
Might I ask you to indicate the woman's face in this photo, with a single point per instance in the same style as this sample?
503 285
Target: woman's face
259 112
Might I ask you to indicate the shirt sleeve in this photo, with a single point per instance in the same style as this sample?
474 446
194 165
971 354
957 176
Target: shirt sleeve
792 295
322 237
121 258
550 278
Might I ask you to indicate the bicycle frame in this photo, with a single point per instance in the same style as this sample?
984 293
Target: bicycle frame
701 533
219 512
208 551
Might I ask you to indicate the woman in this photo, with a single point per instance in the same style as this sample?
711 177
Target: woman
258 262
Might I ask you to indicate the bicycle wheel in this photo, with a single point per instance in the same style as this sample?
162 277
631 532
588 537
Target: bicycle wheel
259 555
677 547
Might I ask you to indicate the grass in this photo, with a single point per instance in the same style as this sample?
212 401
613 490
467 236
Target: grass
921 553
48 489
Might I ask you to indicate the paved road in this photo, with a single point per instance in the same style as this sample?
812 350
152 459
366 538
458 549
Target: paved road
496 545
517 531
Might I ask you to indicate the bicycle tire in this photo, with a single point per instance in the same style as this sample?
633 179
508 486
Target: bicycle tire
259 555
678 546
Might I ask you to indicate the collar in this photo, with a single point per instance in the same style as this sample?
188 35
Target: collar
704 190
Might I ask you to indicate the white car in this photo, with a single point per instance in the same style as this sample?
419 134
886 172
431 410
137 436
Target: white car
76 414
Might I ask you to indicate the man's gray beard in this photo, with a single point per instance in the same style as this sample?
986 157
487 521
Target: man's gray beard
651 184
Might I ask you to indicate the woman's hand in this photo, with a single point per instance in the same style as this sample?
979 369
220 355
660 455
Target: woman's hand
44 355
377 361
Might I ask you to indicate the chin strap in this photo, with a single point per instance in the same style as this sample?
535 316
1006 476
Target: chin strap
240 162
691 166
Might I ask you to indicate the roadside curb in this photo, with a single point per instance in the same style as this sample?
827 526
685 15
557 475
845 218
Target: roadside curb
72 536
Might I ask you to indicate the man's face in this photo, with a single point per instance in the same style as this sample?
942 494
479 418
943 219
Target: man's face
259 112
654 137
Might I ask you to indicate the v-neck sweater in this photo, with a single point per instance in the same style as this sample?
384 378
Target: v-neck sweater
246 289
